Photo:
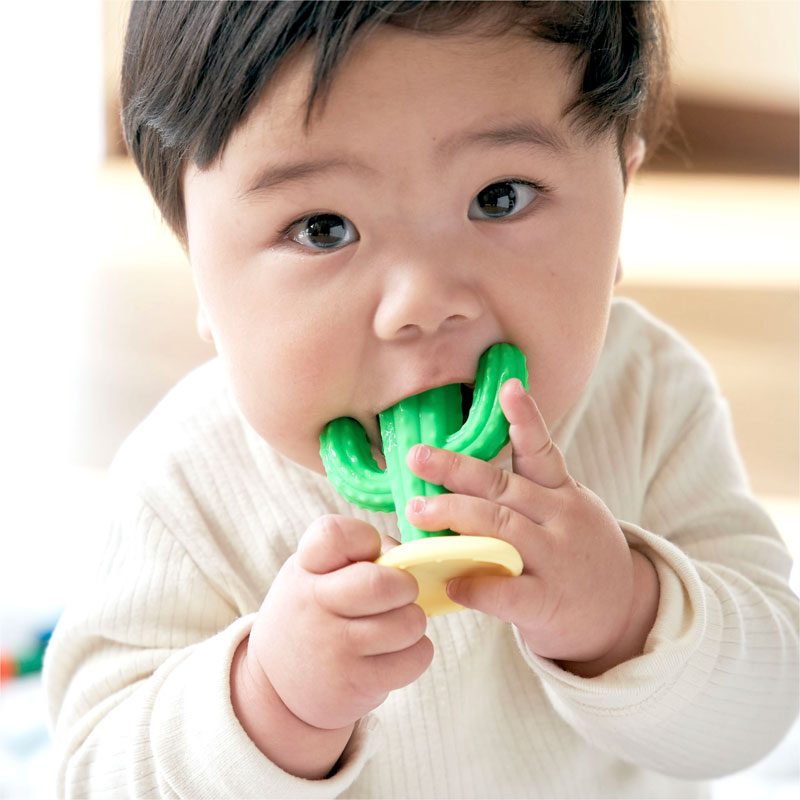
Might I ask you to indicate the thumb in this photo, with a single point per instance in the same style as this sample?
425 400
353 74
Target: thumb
535 455
495 595
332 542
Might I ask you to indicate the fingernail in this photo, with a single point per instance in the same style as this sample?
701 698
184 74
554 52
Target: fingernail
417 505
519 389
422 453
452 588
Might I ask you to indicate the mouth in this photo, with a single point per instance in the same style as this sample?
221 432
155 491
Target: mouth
467 394
374 432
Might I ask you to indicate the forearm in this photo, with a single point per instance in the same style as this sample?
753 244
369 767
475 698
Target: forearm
716 685
642 616
136 723
295 746
175 732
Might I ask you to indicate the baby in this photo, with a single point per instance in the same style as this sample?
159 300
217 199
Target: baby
371 195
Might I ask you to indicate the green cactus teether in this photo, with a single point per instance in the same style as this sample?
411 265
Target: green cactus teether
432 417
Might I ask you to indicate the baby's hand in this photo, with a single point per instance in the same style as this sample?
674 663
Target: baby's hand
574 600
336 632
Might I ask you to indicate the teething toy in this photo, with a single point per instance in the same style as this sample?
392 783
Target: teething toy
432 417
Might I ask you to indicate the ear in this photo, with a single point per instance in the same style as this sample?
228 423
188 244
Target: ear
203 328
634 156
618 274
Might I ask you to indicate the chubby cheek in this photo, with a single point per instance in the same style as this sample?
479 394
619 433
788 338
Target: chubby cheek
566 326
282 410
279 356
560 370
277 383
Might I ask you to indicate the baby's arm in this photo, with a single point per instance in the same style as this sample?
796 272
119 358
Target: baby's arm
138 673
714 686
335 635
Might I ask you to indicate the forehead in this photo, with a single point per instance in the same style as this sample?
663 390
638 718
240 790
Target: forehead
443 85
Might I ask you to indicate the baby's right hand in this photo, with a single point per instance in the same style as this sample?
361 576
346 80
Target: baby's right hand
337 632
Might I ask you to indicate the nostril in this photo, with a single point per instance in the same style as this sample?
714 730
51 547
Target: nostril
409 330
412 329
422 306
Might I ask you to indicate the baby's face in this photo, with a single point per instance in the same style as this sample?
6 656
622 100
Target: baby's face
439 204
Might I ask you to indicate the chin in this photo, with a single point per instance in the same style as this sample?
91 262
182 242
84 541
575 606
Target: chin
306 457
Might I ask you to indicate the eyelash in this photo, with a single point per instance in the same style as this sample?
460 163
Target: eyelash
541 189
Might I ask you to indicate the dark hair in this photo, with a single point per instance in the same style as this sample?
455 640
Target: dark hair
192 71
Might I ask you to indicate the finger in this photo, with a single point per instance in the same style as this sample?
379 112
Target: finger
388 543
390 632
332 542
475 516
465 475
395 670
535 455
365 589
508 598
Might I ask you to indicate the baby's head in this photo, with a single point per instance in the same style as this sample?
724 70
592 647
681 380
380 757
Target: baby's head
371 194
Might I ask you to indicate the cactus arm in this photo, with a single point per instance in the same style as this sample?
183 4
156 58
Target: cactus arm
485 433
351 468
424 418
432 417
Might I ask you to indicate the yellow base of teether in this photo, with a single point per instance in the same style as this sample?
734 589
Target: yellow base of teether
437 559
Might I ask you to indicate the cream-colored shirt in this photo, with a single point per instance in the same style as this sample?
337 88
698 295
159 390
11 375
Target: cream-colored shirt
205 514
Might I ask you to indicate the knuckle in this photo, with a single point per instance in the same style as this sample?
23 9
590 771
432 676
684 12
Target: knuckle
570 508
405 666
320 592
359 681
499 483
556 509
317 536
423 652
513 592
546 449
384 585
419 622
376 676
377 581
351 635
452 463
497 601
503 518
404 586
329 527
412 625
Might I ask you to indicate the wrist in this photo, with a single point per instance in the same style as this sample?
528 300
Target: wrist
644 607
288 741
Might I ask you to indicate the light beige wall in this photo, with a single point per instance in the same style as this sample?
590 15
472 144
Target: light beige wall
742 52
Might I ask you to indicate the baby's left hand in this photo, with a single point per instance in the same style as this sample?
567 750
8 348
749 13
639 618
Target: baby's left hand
574 601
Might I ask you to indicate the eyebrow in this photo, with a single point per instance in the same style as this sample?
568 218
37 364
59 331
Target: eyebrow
528 132
273 176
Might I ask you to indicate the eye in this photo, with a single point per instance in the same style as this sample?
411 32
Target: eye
322 232
502 199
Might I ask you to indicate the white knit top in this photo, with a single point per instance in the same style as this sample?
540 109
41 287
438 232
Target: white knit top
204 513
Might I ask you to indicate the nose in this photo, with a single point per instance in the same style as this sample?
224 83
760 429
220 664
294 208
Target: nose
425 298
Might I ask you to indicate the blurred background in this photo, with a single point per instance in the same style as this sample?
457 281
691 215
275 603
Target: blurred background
97 305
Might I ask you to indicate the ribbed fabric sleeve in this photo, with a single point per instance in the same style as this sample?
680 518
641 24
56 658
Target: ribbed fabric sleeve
203 514
716 685
160 722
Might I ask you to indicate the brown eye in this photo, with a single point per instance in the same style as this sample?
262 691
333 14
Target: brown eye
502 199
322 232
